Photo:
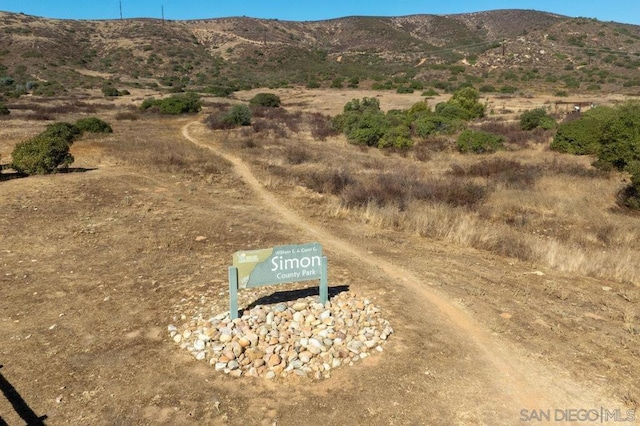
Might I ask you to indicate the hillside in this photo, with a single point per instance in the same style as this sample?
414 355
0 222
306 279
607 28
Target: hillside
504 50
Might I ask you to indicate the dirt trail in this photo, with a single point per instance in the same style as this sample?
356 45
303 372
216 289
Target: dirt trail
503 372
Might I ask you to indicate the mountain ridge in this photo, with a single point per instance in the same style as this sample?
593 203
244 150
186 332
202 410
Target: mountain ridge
243 52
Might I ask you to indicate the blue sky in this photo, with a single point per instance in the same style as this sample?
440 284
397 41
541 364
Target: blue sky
627 11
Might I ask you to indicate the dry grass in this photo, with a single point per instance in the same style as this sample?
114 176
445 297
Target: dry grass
166 152
530 203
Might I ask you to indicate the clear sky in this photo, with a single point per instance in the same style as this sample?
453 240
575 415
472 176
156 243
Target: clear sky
627 11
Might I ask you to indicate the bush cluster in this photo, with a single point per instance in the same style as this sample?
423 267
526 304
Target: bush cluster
178 104
363 122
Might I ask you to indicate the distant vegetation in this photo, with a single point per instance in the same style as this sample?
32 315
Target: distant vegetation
363 122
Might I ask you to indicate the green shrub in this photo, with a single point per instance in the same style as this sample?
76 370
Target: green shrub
110 91
583 136
238 115
177 104
404 90
467 99
452 111
535 118
367 128
430 92
508 89
396 137
219 91
148 103
419 109
4 110
48 88
63 130
620 140
478 142
362 121
436 124
487 88
93 125
42 154
313 84
266 100
337 83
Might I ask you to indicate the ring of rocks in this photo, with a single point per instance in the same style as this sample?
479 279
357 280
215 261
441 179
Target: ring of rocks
297 338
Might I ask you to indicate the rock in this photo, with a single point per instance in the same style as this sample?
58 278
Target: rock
236 348
254 354
201 238
228 353
305 356
299 306
274 360
298 317
315 350
253 339
225 338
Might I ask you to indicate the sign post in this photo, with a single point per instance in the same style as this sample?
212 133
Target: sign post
277 265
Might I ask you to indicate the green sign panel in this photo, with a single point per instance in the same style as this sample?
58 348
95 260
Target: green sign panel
277 265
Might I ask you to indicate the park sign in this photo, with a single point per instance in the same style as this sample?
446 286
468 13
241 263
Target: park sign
277 265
